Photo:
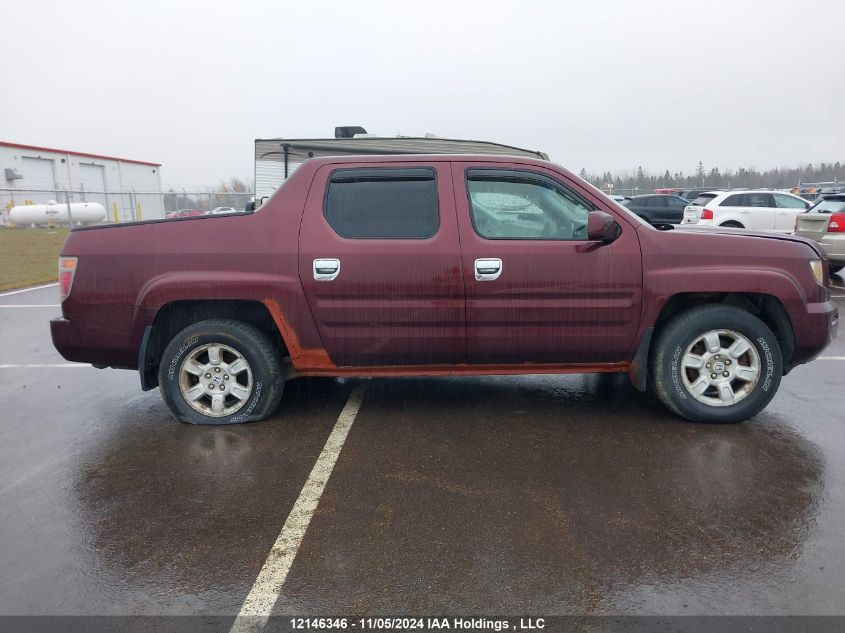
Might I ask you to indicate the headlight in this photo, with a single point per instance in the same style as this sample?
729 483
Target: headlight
818 270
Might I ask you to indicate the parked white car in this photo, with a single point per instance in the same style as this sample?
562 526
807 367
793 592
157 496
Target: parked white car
222 210
760 210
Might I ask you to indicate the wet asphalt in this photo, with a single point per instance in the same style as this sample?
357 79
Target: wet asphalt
545 495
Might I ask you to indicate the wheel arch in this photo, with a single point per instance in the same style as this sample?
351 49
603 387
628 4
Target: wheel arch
768 308
173 317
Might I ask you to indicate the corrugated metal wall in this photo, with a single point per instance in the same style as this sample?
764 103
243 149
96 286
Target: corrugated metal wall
268 176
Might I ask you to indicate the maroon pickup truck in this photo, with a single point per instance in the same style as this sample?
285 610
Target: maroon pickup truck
435 266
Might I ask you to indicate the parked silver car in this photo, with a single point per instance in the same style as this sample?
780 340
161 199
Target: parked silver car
824 222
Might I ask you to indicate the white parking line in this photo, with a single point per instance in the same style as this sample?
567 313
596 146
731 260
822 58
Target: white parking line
43 365
831 358
33 305
264 593
15 292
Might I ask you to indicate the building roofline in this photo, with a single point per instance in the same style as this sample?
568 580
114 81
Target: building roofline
72 153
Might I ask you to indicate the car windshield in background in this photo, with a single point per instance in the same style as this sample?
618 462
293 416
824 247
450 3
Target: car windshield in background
830 205
703 199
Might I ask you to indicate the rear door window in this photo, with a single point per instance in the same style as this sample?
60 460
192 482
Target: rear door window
759 200
657 201
736 200
386 203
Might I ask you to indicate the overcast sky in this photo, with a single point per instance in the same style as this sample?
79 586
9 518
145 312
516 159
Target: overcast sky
595 84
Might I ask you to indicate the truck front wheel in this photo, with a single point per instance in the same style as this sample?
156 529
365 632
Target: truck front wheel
716 363
221 371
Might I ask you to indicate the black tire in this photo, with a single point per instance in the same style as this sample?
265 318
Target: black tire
666 368
834 268
263 357
731 224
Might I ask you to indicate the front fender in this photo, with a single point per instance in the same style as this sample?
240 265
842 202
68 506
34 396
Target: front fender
661 285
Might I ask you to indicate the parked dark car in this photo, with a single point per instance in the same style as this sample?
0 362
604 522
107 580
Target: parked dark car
692 194
658 208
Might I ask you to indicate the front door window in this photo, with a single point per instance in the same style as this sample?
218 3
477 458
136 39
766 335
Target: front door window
514 206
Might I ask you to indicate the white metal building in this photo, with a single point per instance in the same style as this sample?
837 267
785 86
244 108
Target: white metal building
39 174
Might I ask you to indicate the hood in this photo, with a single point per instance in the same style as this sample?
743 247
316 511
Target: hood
718 230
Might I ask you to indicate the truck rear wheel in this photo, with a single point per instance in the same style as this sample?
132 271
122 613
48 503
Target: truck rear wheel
221 371
716 363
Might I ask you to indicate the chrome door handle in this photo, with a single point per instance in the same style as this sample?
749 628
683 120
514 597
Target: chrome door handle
326 269
488 268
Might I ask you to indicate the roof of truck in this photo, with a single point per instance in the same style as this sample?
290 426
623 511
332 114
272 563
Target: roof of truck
301 149
311 165
392 158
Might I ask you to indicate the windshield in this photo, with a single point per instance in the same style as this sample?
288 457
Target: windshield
829 205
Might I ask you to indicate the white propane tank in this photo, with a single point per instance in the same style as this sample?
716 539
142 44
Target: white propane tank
56 212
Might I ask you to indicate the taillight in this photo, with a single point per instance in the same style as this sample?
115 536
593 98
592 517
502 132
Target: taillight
837 223
707 214
67 270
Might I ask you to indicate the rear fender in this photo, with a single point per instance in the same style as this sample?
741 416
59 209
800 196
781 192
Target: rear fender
281 294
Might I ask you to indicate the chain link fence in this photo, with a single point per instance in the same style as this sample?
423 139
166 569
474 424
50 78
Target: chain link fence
119 206
32 236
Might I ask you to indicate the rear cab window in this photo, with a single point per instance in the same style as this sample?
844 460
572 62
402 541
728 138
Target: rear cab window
383 203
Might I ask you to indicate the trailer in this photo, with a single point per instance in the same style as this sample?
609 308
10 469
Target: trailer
277 158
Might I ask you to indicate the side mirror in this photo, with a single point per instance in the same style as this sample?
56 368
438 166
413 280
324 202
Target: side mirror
602 227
